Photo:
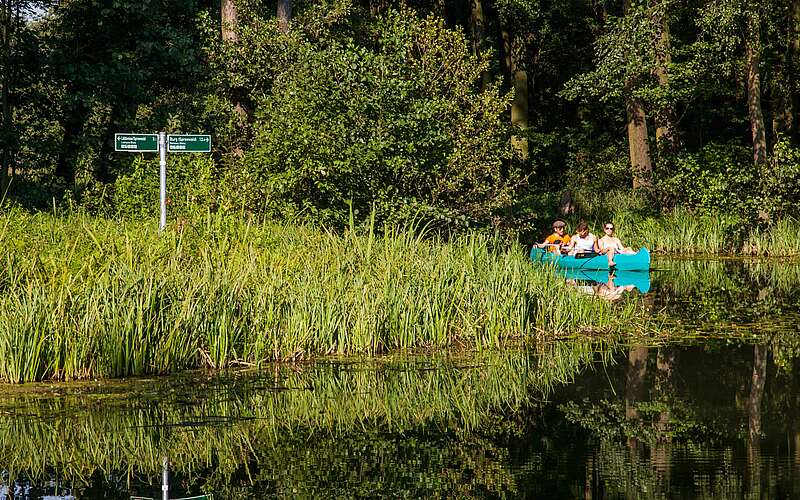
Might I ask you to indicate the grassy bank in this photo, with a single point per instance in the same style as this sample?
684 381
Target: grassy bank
683 231
85 297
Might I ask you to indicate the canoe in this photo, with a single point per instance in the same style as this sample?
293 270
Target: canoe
640 261
638 279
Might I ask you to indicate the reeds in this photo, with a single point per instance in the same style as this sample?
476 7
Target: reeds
683 231
85 297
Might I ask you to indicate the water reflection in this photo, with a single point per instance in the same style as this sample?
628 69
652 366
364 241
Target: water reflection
728 292
688 416
607 285
598 421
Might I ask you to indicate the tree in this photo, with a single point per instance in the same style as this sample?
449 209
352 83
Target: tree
625 62
391 123
284 14
229 21
138 68
638 137
12 23
752 43
666 130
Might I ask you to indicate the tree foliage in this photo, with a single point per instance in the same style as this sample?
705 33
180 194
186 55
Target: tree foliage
391 108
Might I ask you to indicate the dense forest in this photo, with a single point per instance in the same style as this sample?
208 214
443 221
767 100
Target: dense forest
479 113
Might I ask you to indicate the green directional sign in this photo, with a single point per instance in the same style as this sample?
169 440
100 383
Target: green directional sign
136 143
187 143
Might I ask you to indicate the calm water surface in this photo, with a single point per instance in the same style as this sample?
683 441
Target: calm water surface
711 410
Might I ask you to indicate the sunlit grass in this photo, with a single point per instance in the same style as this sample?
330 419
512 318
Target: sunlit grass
85 297
684 231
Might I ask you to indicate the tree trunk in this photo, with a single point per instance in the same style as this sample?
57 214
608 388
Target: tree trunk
514 51
666 130
477 21
6 20
794 68
284 14
753 59
230 21
68 153
376 7
760 353
229 16
781 111
638 142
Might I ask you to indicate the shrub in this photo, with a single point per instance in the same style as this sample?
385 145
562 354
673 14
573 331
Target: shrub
390 120
191 184
717 178
781 182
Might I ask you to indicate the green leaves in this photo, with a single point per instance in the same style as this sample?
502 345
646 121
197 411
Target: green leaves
391 121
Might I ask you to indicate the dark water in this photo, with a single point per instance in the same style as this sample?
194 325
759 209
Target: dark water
710 409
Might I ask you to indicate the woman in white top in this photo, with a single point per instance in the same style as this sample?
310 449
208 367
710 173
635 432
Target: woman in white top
611 245
583 241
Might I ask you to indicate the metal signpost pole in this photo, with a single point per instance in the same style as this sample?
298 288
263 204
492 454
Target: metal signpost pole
165 478
162 150
161 143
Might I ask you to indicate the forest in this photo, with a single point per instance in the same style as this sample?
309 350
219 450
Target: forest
489 114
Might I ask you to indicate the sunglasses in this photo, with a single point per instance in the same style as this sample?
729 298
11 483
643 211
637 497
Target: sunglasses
610 228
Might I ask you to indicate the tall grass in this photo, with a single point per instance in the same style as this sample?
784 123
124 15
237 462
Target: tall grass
779 239
84 297
682 231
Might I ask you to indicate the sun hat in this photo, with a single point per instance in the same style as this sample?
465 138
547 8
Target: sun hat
559 223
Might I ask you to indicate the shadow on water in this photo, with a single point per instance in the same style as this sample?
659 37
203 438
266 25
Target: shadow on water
712 411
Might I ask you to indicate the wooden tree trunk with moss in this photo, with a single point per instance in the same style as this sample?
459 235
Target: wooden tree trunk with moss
752 61
284 14
666 130
514 50
230 21
477 21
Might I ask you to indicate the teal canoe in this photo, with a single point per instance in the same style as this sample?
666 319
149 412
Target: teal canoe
640 261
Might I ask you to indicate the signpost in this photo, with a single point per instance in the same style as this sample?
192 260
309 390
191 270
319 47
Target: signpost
136 143
185 143
161 143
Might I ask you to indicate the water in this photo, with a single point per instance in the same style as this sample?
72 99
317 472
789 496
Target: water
707 408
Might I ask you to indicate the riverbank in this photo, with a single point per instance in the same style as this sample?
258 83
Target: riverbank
85 297
681 231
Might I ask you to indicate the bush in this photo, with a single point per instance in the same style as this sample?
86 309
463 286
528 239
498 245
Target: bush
191 184
391 120
717 178
781 182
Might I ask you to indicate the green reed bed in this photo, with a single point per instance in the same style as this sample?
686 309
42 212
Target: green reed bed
779 239
684 231
84 297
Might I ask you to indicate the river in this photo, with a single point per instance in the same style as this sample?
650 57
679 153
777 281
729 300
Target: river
704 404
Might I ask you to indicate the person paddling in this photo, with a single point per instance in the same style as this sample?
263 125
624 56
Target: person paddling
611 245
558 240
583 242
